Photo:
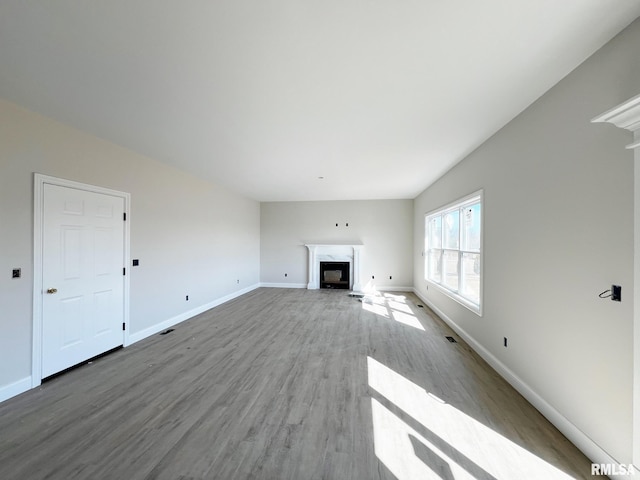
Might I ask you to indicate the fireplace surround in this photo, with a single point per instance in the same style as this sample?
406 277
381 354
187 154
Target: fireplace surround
350 253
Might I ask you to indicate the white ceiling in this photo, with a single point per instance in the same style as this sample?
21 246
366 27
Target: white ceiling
379 97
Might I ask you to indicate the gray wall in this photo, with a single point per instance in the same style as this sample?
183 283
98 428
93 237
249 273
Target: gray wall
190 236
558 230
383 226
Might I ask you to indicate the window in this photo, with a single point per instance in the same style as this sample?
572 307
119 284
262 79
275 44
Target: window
453 250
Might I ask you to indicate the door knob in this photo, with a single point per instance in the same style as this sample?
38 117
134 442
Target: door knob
51 291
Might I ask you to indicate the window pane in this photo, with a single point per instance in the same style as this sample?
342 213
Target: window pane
452 230
435 232
435 265
450 270
470 287
471 228
453 256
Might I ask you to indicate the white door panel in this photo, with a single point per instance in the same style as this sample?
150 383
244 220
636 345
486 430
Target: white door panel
83 259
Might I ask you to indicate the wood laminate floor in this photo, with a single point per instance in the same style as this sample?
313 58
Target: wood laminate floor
286 384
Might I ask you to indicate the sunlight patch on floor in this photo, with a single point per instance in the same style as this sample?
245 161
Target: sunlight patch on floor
397 446
417 435
391 306
407 319
377 308
400 306
395 296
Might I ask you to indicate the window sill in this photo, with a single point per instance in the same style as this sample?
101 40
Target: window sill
477 309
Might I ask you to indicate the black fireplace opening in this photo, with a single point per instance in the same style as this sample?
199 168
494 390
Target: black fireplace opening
334 275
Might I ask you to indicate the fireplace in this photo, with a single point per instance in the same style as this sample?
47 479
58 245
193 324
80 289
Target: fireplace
334 275
348 254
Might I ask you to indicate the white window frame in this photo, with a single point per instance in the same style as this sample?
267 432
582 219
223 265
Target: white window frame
471 199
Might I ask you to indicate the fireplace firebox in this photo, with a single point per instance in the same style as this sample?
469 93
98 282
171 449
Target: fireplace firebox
334 275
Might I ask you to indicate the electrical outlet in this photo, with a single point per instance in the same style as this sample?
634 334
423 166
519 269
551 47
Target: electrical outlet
286 274
16 273
186 298
505 341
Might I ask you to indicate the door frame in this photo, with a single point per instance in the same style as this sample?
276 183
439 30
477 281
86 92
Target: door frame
38 238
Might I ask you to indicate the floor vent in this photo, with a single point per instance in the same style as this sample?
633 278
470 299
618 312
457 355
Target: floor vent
420 306
451 339
167 331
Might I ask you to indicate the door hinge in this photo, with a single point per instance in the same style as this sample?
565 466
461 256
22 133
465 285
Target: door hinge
124 271
124 216
123 326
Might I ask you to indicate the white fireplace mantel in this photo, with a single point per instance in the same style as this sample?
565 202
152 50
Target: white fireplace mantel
334 253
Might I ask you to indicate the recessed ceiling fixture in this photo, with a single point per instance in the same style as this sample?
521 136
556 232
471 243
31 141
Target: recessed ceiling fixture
320 178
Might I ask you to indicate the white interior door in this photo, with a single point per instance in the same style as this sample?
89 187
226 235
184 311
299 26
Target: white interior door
83 253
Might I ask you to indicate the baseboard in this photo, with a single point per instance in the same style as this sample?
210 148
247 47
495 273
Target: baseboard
283 285
304 285
15 388
170 322
592 450
382 288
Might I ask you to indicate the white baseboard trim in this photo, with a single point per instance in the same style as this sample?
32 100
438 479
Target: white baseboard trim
382 288
15 388
283 285
170 322
304 285
591 449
